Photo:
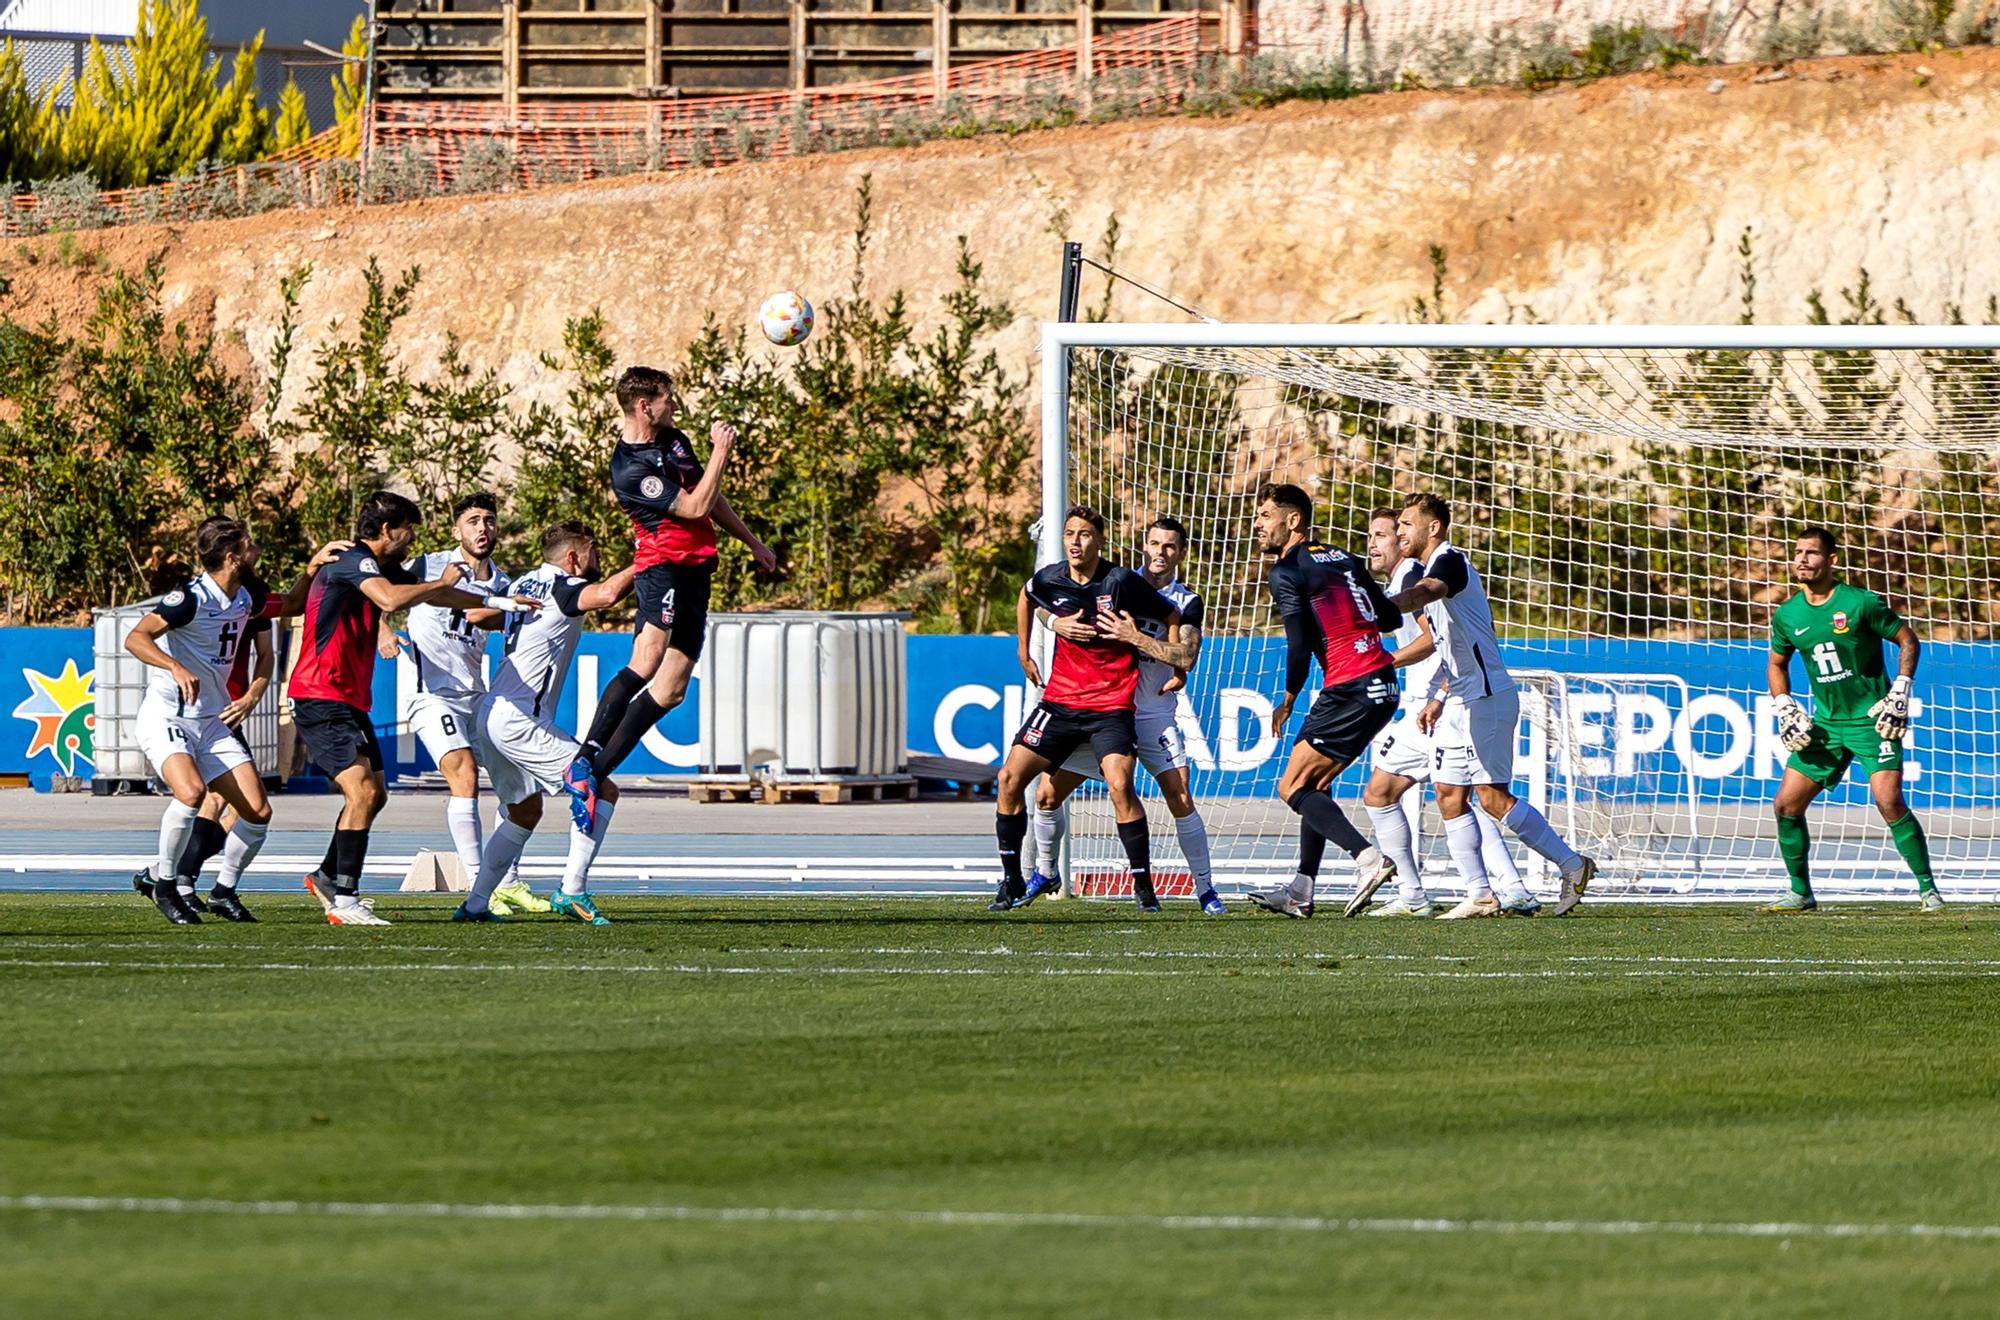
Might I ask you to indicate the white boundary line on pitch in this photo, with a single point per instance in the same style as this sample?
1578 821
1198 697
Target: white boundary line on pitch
1334 966
174 1205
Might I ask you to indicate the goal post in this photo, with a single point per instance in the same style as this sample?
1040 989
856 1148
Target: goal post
1631 495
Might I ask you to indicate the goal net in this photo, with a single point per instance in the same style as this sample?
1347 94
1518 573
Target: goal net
1631 497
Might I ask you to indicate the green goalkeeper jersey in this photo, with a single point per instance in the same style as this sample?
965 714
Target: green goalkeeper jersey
1841 640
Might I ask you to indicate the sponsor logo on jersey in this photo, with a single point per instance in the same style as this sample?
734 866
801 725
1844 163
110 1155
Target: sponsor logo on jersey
652 487
1840 621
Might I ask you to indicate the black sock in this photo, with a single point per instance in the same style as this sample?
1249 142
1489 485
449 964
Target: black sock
1320 812
642 714
1011 831
1312 847
329 865
611 704
352 849
1138 853
203 842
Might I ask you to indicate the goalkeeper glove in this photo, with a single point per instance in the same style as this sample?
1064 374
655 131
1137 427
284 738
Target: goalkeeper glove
1892 712
1794 725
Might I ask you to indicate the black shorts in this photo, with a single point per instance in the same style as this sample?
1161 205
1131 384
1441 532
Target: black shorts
1348 715
675 597
336 734
1053 732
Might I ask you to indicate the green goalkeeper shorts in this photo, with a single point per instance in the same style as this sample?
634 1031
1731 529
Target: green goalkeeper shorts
1836 746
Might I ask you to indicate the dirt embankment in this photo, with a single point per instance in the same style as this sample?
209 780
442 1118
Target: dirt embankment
1617 201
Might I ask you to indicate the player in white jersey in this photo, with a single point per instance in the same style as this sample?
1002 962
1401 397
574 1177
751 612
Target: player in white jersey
448 648
1402 756
189 642
525 754
1474 713
1163 671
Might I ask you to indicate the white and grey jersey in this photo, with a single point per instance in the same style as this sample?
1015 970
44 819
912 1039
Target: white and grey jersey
205 629
447 650
1153 674
540 643
1462 625
1416 677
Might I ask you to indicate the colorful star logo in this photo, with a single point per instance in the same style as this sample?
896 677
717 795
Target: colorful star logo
63 710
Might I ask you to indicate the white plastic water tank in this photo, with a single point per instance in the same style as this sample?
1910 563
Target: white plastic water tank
120 686
823 693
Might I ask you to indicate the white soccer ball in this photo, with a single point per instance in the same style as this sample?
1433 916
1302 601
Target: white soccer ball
786 317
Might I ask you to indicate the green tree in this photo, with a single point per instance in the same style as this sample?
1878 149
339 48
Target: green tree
28 127
293 126
350 87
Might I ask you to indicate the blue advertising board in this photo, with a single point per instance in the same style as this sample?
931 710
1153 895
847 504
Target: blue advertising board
1678 715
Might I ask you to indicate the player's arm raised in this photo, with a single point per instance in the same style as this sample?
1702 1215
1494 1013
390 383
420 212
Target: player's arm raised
699 500
1388 614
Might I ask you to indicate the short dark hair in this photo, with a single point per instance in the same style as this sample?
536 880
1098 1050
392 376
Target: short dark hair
1287 496
1384 512
1163 523
1431 507
1825 538
558 538
642 383
478 499
383 510
1088 514
215 538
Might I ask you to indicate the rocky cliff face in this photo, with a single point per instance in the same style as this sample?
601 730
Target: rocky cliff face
1617 201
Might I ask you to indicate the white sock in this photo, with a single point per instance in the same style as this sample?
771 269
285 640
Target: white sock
1533 829
1049 828
1194 846
1461 835
1393 837
461 816
239 850
503 850
176 823
1493 851
583 851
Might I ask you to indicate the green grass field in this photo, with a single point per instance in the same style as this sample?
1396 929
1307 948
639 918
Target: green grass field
1668 1083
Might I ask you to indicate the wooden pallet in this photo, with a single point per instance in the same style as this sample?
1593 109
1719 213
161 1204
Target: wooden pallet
884 788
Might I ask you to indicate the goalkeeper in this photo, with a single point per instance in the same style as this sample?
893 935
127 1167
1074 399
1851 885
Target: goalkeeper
1858 714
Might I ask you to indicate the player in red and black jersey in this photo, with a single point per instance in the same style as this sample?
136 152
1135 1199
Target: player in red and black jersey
1089 698
1333 611
675 504
332 686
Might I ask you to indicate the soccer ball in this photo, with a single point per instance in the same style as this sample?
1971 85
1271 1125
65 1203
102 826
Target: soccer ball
786 317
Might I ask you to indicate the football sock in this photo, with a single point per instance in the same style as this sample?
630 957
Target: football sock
1324 815
1138 846
328 863
640 716
1493 851
611 704
461 815
1011 830
1795 845
176 824
1193 835
239 848
350 849
1533 829
1916 850
1461 835
583 850
204 841
513 872
1049 827
1392 835
502 853
1312 850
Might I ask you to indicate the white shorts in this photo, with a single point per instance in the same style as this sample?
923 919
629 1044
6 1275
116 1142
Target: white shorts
1476 739
161 734
523 756
443 725
1404 749
1161 748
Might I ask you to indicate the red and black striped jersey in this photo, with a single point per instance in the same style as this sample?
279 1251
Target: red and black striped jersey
647 479
1101 675
337 642
1334 609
